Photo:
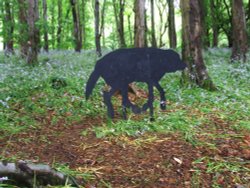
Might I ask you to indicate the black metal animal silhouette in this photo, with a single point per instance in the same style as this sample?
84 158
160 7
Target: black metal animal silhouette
123 66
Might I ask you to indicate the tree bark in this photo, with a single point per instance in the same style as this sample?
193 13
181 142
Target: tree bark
33 32
59 21
33 175
23 28
171 23
163 25
204 21
215 25
130 30
248 10
240 46
103 22
153 38
97 29
192 46
45 19
8 29
84 2
53 23
119 19
77 25
139 7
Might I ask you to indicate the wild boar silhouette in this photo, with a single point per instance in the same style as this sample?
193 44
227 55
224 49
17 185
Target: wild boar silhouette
123 66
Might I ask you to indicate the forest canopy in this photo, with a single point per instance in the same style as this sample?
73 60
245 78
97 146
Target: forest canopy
56 22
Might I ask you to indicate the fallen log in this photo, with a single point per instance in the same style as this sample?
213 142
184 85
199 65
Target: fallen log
26 174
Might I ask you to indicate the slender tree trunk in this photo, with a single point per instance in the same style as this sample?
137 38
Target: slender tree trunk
204 21
139 23
215 27
146 28
53 23
121 23
119 19
45 19
84 2
8 29
171 23
228 30
103 22
33 31
192 46
97 28
153 38
248 10
239 48
77 25
23 28
59 21
163 24
130 30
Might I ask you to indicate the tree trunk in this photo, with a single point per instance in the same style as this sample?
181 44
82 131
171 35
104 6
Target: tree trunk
53 23
153 38
33 175
45 19
119 19
139 7
83 23
215 27
103 22
146 29
33 32
204 21
59 21
8 29
227 27
248 10
239 48
97 29
192 46
23 28
163 24
77 25
171 23
130 31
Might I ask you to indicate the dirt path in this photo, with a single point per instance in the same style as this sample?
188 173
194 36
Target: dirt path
152 160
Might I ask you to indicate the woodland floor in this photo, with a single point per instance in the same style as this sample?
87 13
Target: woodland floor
151 160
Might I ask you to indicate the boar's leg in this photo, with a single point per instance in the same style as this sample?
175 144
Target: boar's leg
127 104
107 101
162 95
149 103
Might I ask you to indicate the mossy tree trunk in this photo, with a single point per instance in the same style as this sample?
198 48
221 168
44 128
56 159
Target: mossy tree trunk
196 73
45 26
139 8
23 28
171 23
77 25
119 20
8 28
214 22
34 37
240 46
153 37
97 28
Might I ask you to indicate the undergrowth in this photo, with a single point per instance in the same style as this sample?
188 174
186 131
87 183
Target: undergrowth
53 91
29 94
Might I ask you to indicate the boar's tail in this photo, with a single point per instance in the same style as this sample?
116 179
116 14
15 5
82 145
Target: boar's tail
91 83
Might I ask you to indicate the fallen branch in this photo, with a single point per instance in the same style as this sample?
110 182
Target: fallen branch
33 175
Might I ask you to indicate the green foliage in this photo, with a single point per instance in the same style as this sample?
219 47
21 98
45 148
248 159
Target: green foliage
28 95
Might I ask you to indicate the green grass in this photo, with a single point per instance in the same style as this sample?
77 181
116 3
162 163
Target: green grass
27 95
